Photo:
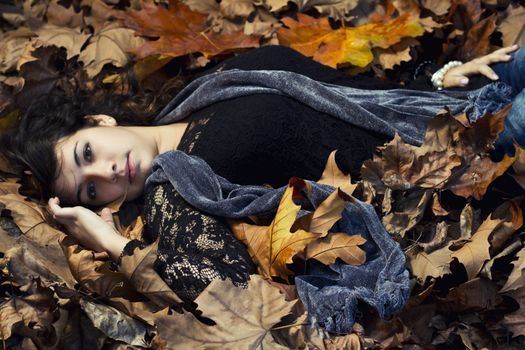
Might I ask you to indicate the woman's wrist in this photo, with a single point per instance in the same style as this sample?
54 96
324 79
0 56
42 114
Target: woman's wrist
114 245
437 77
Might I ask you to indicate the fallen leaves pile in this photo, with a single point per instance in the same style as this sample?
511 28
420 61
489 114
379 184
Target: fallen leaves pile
456 213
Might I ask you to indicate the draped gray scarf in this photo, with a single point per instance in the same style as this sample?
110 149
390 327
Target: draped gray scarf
330 293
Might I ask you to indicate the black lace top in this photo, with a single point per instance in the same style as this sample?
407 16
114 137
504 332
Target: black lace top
258 139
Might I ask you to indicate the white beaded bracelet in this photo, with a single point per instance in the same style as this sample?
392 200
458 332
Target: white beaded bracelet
437 78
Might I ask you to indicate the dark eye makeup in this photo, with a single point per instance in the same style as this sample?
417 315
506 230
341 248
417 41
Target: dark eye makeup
88 154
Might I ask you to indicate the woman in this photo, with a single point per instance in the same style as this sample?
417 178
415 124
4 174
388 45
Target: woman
252 139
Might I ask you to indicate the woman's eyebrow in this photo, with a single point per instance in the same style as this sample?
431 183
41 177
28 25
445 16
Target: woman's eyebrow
77 161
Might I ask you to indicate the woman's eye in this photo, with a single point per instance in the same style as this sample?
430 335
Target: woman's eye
88 155
91 192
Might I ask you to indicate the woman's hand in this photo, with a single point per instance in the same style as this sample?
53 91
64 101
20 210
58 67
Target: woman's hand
458 76
93 231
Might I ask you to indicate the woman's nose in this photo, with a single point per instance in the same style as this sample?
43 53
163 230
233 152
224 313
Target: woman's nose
102 170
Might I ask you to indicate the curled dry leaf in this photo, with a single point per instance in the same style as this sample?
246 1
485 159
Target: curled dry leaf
408 213
35 312
337 245
13 45
438 7
115 324
138 269
91 270
474 253
111 45
180 31
435 264
516 278
333 176
337 9
244 318
476 294
515 321
512 26
70 38
315 38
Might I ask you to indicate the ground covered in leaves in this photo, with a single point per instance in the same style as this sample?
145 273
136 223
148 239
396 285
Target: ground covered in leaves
456 213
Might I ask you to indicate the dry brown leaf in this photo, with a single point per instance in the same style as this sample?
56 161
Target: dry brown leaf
438 7
438 240
13 45
409 212
337 9
236 8
243 316
512 27
347 342
515 321
475 252
138 269
333 176
476 294
115 324
337 245
324 216
516 278
478 39
435 264
394 55
63 17
519 166
437 208
91 269
180 31
70 38
110 45
34 311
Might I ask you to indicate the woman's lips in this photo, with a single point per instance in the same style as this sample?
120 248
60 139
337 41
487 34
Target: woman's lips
130 170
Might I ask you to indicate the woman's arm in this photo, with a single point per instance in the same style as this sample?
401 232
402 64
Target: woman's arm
93 231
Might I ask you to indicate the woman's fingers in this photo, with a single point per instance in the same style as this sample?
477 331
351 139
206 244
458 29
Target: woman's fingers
106 215
488 72
59 213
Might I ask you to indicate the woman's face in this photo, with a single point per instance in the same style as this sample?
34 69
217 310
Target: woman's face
102 164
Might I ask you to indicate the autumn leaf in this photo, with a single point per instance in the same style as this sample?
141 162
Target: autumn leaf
434 264
337 245
515 321
409 212
333 176
438 7
180 32
138 268
279 245
111 45
252 310
511 27
315 38
478 39
474 253
516 278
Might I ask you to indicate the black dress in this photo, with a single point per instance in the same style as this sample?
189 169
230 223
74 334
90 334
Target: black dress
258 139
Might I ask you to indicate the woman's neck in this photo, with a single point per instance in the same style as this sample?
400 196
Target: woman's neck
163 137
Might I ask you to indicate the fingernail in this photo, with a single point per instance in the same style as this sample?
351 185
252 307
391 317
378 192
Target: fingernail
495 76
464 81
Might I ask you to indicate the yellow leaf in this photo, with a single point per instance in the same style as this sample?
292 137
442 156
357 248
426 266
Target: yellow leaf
315 38
333 176
337 245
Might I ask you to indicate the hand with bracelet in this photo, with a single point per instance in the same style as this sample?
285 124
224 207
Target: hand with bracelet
456 75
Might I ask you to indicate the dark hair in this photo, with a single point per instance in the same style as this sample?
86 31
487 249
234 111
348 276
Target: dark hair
31 143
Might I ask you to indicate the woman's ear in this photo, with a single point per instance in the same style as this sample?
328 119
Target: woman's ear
100 120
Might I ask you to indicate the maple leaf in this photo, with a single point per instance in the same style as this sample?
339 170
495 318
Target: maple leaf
478 39
315 38
337 245
410 212
512 26
243 318
180 31
13 45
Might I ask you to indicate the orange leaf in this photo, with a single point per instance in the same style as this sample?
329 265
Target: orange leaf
180 31
315 38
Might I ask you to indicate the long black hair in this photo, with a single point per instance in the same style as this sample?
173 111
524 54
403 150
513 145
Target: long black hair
30 144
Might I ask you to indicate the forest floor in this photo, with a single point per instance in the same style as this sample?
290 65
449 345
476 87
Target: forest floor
456 213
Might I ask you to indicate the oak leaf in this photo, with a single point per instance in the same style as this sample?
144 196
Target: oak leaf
474 253
512 26
516 278
180 31
478 43
243 318
70 38
435 264
515 321
110 45
337 245
315 38
438 7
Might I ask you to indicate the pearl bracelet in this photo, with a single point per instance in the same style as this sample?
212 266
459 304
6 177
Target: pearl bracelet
437 78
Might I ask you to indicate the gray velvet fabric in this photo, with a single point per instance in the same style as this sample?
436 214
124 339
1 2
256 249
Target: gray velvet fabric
385 111
330 294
